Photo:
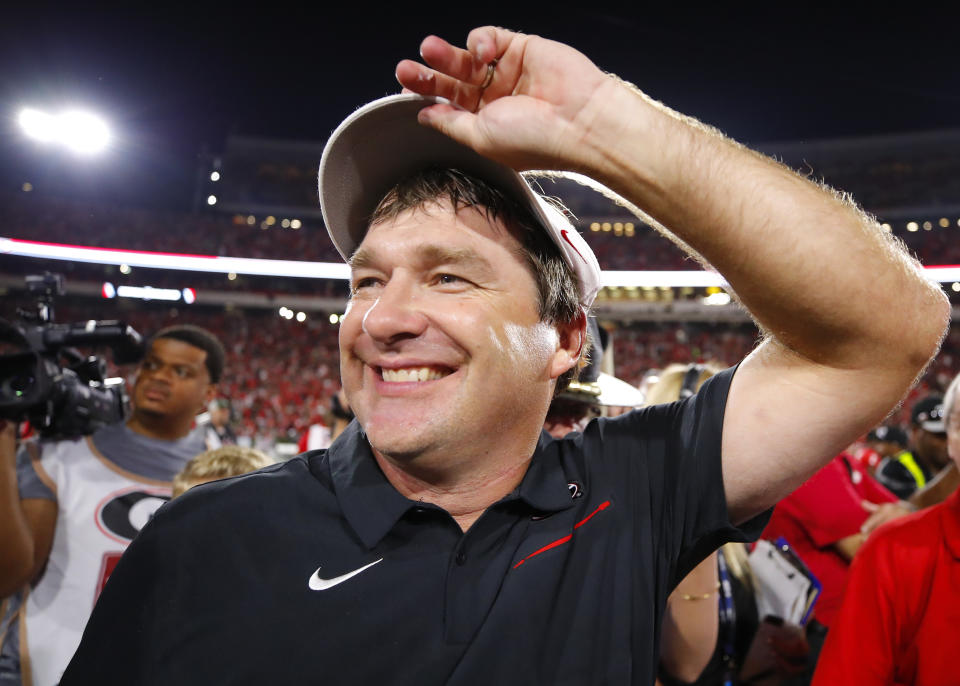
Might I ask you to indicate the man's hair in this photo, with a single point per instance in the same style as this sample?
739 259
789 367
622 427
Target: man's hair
199 338
230 460
557 284
668 387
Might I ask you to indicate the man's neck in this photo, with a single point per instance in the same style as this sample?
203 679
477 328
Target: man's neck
158 427
464 496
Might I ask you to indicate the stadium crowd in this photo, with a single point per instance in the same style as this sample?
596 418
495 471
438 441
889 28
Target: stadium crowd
277 379
56 220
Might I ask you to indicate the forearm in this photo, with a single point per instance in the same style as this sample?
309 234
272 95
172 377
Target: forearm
690 623
16 540
805 262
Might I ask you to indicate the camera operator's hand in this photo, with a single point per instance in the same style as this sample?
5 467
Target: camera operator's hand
26 526
8 442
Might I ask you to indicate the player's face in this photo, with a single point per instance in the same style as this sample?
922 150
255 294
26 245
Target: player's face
442 347
173 380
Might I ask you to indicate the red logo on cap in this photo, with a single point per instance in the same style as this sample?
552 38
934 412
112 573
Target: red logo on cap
563 232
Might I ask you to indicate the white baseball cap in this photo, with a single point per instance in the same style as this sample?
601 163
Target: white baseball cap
382 143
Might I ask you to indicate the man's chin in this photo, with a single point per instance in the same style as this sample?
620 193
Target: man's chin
147 412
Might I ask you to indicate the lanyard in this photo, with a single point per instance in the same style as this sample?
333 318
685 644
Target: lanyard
728 621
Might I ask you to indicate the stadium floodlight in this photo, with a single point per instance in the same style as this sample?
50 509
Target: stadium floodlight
78 130
38 125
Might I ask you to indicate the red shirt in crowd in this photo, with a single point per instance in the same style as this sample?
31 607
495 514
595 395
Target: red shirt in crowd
826 509
901 613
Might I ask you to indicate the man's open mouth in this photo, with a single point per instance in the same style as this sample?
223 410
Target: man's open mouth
413 374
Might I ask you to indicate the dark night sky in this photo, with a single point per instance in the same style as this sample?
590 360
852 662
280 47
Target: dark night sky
171 79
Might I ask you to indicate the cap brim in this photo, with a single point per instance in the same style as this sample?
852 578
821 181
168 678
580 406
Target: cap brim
382 143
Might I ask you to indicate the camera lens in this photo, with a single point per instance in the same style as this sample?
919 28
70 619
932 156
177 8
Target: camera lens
15 387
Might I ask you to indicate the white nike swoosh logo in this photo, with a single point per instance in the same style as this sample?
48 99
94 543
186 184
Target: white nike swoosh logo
318 583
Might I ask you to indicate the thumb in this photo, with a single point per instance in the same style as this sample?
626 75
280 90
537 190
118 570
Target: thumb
868 506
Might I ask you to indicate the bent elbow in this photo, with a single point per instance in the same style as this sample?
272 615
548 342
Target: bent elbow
931 323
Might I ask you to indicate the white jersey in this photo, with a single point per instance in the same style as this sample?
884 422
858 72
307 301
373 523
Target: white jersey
101 507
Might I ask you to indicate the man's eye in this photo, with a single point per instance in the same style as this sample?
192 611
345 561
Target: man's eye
182 372
366 282
447 279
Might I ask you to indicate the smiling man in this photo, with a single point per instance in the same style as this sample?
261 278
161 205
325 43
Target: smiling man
71 507
444 538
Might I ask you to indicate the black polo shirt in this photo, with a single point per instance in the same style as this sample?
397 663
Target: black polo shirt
318 571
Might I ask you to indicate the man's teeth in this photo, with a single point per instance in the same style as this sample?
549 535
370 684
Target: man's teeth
414 374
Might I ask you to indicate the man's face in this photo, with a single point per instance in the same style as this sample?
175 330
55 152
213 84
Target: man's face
173 381
930 448
442 347
953 433
219 416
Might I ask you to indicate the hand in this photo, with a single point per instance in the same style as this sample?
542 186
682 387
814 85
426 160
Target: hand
790 651
883 513
536 111
8 441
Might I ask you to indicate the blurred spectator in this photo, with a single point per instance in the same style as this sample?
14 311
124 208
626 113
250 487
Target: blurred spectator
324 430
908 471
594 393
711 618
822 521
69 508
218 431
901 610
219 463
882 442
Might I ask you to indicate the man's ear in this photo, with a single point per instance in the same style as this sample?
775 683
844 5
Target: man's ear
571 342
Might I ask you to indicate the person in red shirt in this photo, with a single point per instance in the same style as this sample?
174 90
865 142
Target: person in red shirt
821 520
901 611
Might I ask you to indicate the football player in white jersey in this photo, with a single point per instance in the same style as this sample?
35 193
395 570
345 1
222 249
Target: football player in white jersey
69 508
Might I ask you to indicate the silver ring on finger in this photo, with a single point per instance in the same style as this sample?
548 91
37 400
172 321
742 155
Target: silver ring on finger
491 68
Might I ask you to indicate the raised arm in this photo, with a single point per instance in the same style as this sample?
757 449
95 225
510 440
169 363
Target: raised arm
26 526
832 291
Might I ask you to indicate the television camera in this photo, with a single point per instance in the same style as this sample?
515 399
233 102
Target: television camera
44 379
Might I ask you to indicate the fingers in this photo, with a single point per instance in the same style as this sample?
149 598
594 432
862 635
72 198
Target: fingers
870 524
463 76
417 78
488 43
454 62
868 506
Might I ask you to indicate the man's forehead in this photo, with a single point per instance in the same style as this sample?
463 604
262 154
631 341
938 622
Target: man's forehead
463 237
173 349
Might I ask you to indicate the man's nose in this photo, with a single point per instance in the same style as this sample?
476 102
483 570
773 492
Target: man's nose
162 373
398 313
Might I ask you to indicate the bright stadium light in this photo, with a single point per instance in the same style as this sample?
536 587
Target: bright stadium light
38 125
81 131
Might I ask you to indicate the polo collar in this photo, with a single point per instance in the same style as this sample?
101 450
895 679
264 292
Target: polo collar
370 503
373 506
951 523
545 486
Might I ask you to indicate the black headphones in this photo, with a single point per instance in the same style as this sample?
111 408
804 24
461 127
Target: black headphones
690 381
